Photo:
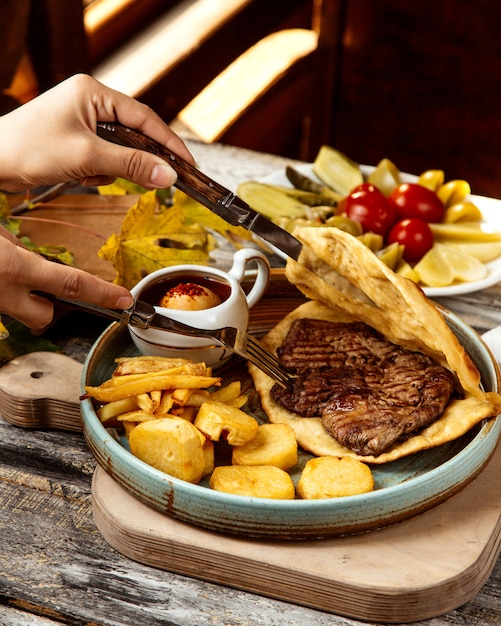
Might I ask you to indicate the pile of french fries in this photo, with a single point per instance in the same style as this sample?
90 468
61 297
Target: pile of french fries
176 413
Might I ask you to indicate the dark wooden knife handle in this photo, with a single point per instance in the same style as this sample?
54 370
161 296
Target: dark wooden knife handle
190 180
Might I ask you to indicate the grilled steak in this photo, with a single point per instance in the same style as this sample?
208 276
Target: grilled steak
369 392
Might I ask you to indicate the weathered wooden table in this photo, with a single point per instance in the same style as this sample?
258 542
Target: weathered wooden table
55 566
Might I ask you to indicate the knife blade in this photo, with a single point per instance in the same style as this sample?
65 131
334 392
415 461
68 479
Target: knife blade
204 190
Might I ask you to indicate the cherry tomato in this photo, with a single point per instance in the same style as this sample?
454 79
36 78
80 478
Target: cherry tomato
413 200
415 234
367 205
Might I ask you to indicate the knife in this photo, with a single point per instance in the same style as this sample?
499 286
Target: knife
204 190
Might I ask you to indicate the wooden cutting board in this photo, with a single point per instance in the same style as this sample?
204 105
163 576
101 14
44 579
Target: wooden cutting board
411 571
41 390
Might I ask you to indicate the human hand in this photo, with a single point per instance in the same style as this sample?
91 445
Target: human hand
22 272
52 139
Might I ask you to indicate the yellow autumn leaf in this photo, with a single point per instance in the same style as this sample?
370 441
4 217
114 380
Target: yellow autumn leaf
153 236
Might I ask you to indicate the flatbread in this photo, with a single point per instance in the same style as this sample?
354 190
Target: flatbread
348 283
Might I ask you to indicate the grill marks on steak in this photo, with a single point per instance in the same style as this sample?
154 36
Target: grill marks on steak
369 392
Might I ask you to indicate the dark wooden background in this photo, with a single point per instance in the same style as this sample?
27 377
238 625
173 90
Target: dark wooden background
418 82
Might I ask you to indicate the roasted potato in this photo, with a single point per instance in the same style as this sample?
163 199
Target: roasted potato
216 420
274 444
257 481
171 445
334 477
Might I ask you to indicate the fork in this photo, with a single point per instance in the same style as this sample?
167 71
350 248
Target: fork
250 348
143 315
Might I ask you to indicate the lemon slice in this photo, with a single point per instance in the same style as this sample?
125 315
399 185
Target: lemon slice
484 251
464 266
434 270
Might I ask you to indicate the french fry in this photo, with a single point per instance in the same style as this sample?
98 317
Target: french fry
186 412
181 396
230 394
121 387
145 402
227 393
136 416
238 402
156 397
128 427
109 411
145 364
198 397
166 403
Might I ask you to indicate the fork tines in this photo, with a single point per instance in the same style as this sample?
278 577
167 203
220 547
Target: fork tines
267 362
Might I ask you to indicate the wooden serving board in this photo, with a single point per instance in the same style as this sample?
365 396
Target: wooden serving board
414 570
41 390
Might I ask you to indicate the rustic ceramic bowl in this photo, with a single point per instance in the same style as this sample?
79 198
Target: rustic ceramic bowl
403 488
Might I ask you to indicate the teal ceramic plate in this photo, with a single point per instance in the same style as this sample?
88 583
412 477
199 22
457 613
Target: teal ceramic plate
403 488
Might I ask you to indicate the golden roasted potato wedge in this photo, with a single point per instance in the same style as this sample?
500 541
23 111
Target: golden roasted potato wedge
171 445
216 420
334 477
257 481
274 444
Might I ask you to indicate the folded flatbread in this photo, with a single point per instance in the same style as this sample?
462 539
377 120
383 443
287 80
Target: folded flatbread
347 282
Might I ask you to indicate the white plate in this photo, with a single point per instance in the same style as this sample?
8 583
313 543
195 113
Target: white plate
489 207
